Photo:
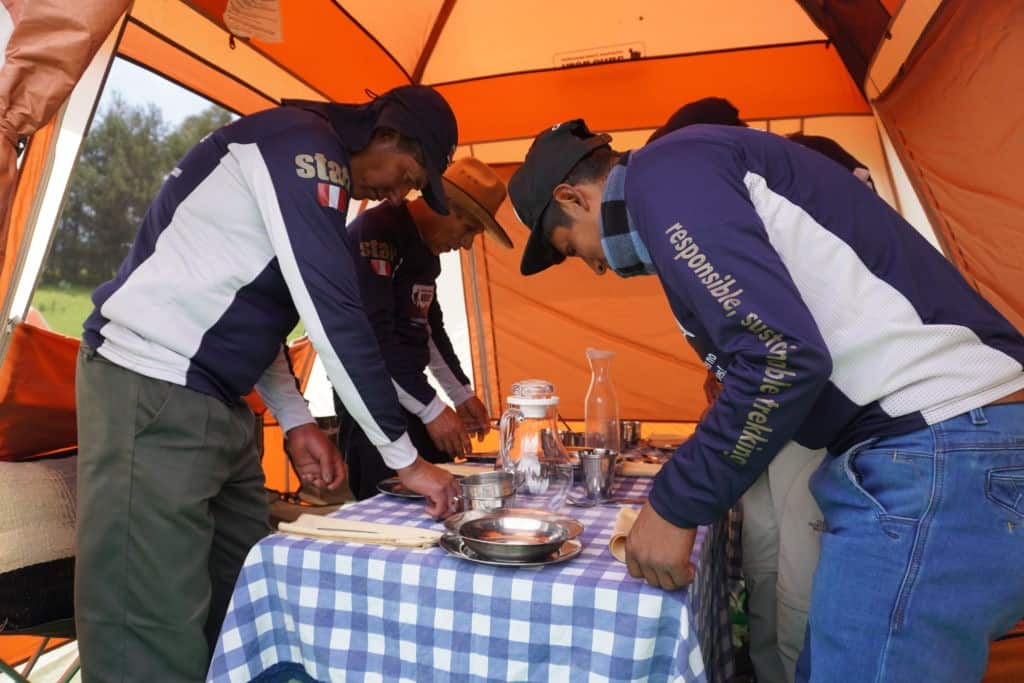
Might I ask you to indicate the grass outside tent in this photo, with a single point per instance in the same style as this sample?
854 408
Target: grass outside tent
66 308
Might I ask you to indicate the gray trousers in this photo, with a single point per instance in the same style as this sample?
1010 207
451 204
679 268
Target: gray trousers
170 500
781 542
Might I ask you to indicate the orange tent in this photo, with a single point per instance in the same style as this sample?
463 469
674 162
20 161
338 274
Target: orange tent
509 70
922 90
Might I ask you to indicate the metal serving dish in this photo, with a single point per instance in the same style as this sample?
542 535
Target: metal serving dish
573 527
512 538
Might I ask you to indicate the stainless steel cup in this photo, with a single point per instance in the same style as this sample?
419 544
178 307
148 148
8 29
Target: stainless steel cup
629 431
489 491
598 469
572 438
487 504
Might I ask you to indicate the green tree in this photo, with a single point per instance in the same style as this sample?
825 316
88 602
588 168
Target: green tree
193 129
125 159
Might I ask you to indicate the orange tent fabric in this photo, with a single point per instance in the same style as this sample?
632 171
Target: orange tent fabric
622 67
955 118
769 57
856 28
495 61
37 394
768 82
37 391
46 55
140 44
1006 658
20 648
33 167
543 325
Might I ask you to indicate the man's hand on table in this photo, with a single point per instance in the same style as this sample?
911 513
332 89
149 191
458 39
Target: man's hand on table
659 551
436 484
474 417
316 460
448 434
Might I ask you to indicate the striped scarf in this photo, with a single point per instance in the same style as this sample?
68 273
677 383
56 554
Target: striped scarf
626 253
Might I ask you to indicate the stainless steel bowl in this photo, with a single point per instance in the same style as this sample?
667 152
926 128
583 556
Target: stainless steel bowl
573 527
510 538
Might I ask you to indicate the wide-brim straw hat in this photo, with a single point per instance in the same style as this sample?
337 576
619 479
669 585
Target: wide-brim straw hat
479 191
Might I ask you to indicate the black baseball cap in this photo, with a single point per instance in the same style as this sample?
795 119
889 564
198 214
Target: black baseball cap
552 156
416 111
714 110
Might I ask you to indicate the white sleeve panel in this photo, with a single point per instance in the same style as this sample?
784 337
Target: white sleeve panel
278 390
397 453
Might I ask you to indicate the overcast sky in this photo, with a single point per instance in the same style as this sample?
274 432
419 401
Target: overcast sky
139 86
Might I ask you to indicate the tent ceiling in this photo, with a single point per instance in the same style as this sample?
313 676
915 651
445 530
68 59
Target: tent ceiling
486 38
140 45
495 61
404 38
642 94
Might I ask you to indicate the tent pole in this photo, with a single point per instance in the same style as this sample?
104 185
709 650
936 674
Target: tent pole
10 317
485 375
72 123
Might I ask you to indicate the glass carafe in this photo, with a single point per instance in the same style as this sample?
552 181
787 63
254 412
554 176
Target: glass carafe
601 409
530 448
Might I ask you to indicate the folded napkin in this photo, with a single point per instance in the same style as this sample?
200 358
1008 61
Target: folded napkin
635 468
341 529
623 523
465 469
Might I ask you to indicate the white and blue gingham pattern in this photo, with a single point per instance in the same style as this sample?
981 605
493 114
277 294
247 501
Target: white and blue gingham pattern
348 611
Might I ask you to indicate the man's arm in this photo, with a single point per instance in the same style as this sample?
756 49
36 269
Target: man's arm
373 234
279 390
447 370
305 220
373 241
316 460
304 215
444 364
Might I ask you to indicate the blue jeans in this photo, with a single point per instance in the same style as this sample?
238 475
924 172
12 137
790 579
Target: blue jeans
922 560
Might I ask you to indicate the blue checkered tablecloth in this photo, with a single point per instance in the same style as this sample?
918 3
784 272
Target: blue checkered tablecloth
349 611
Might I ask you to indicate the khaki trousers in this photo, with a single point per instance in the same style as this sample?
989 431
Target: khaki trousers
171 499
781 540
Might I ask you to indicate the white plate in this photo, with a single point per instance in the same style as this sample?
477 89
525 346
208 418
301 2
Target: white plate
451 544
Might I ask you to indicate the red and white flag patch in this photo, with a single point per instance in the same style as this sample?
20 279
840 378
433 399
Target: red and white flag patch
331 196
381 266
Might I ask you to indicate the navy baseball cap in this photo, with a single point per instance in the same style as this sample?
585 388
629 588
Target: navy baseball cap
421 113
416 111
552 156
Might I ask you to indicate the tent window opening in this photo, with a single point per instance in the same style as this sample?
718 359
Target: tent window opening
144 124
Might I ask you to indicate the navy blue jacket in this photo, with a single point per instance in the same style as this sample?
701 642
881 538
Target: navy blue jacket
246 235
398 282
827 317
